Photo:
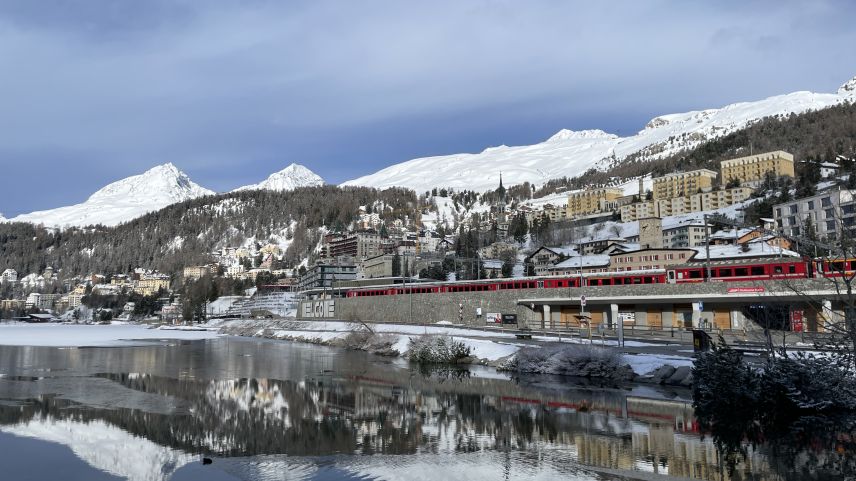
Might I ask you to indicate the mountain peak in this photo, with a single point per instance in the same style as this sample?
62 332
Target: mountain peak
289 178
566 134
849 88
125 199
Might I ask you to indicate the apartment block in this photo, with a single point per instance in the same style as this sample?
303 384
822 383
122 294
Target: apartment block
830 213
750 170
682 184
592 201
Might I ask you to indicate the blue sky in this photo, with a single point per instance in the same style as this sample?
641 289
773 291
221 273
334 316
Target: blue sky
230 91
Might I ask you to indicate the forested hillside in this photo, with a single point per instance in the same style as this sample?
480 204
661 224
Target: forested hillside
822 134
182 234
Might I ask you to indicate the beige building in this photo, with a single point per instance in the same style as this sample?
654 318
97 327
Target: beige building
683 184
592 201
750 170
645 259
151 284
196 272
686 204
553 212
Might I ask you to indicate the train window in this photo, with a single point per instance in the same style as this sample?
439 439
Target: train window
792 269
695 274
725 272
757 270
637 280
741 272
607 282
777 269
838 265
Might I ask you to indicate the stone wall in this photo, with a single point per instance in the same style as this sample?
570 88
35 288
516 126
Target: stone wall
435 307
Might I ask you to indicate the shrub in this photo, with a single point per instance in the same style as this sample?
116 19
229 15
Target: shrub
432 349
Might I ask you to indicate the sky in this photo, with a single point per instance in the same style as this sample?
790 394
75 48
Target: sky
92 91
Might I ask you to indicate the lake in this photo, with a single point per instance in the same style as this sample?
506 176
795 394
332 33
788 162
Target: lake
249 409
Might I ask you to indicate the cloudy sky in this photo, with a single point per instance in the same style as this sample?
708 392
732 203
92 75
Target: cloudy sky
230 91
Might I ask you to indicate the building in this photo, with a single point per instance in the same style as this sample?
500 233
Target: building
829 169
196 272
545 257
592 201
683 184
750 170
554 213
74 300
10 276
497 250
828 213
150 284
41 301
572 266
698 202
645 259
235 271
324 275
651 233
360 245
690 234
597 246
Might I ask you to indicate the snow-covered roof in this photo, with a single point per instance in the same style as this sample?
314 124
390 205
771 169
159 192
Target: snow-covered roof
758 249
730 234
598 260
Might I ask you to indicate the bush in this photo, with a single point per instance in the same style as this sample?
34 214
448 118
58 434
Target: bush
365 340
572 360
431 349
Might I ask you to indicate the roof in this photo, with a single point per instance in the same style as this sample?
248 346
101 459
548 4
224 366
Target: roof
759 249
599 260
730 234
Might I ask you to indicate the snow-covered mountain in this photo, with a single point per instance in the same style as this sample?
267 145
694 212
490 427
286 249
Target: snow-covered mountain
123 200
289 178
569 153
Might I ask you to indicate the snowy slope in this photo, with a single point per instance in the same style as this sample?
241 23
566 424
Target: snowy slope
123 200
571 153
289 178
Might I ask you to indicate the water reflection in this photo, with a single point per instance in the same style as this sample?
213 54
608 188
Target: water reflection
280 411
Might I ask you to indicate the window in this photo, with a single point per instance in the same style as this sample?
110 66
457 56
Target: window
778 212
811 205
792 208
741 271
757 270
826 202
792 269
830 213
830 225
795 231
792 220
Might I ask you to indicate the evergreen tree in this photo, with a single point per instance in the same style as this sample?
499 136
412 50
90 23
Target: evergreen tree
396 265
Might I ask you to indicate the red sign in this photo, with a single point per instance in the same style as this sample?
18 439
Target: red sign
797 321
742 290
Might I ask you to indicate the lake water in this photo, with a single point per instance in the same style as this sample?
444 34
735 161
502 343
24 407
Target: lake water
267 410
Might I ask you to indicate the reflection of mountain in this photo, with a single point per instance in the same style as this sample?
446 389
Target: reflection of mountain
329 415
106 447
309 401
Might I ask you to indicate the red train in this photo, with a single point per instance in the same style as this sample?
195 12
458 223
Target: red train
724 271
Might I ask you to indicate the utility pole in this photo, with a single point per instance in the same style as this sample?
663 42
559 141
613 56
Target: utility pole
707 249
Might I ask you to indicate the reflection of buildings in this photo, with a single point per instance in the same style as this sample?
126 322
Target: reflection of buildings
395 413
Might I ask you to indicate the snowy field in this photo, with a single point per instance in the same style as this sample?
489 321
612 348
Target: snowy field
72 335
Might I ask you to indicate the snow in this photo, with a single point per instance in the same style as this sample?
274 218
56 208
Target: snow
598 260
755 249
645 363
289 178
123 200
569 153
65 335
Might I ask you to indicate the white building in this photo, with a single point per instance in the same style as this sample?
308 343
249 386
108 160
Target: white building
9 275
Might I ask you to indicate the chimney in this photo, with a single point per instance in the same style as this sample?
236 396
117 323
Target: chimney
641 188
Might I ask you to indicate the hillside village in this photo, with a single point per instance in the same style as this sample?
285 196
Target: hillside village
647 223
